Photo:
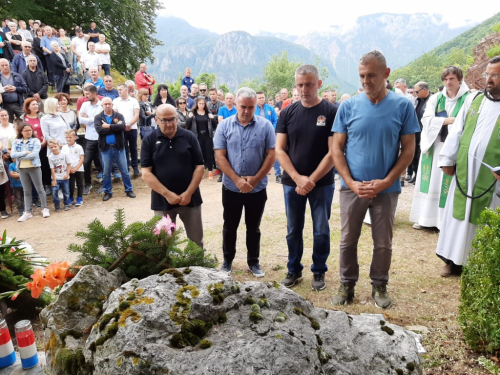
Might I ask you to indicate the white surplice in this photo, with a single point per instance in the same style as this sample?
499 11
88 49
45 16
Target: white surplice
425 208
456 235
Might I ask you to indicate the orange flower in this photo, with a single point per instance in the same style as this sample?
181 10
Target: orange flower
38 284
55 274
13 298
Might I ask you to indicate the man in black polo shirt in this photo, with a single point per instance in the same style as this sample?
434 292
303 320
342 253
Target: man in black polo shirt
172 166
302 147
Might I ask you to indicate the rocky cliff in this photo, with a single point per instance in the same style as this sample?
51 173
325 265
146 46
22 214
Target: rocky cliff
474 76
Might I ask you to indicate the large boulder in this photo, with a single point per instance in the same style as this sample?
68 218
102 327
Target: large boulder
200 321
67 321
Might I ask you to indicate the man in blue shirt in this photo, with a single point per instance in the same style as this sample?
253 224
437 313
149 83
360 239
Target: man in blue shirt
267 111
374 142
108 91
229 109
244 151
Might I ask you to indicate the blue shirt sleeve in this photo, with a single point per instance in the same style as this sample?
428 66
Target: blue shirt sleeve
220 142
221 112
274 117
270 137
340 123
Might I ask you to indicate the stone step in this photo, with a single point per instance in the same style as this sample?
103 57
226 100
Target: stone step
17 369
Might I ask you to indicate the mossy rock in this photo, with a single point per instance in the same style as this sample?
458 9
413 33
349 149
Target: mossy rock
205 344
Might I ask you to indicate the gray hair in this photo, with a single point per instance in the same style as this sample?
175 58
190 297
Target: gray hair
12 24
307 69
54 43
25 43
377 55
246 93
129 82
400 80
422 85
184 86
332 90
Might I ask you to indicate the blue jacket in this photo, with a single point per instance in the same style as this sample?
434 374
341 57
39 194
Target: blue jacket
270 114
33 145
19 63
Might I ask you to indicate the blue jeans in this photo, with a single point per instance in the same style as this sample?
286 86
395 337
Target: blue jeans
64 186
320 201
109 155
107 69
277 168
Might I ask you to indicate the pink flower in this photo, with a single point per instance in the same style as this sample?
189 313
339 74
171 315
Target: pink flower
165 224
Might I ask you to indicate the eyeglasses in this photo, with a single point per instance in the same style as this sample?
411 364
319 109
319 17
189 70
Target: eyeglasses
203 90
182 103
417 91
487 75
172 120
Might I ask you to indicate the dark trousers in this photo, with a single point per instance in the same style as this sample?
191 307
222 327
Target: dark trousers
413 167
44 160
233 204
78 178
131 148
19 198
60 81
2 197
107 69
91 154
207 149
13 109
50 70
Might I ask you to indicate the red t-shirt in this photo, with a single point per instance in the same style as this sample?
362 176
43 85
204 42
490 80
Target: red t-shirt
35 124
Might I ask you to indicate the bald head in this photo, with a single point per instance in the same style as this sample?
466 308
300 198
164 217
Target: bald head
107 105
166 111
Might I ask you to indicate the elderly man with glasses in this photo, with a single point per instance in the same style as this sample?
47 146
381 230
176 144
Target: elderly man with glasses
20 61
172 166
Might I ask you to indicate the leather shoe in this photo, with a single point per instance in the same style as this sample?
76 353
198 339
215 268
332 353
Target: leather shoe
130 194
412 181
107 197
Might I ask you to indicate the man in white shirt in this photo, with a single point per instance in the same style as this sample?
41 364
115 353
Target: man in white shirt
89 110
79 44
90 59
128 107
102 48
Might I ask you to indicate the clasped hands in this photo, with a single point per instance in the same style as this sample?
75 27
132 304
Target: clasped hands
368 189
182 199
246 183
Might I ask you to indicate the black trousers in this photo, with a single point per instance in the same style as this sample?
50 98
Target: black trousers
46 175
91 154
413 167
207 150
78 178
2 197
13 109
233 204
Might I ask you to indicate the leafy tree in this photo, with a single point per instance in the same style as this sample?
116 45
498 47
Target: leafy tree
208 78
279 73
129 25
224 88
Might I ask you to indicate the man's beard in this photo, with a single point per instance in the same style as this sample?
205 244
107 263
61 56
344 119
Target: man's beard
495 91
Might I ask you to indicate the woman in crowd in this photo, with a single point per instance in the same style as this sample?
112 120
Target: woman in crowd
60 67
15 38
33 116
25 150
201 122
6 129
163 96
182 112
69 115
66 42
53 124
37 49
147 113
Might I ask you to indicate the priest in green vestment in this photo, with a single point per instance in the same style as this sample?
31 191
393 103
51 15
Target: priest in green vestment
474 137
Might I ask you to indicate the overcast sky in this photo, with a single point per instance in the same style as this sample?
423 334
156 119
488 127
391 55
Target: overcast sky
300 17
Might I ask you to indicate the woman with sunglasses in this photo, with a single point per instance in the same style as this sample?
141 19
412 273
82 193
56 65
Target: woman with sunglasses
182 112
201 122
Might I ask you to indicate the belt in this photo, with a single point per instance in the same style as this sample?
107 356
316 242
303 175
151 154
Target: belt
112 146
203 131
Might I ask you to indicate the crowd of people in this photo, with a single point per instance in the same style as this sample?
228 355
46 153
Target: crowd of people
376 141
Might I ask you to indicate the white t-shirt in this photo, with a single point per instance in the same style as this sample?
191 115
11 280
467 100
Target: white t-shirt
59 163
126 109
104 58
80 45
90 60
74 152
6 134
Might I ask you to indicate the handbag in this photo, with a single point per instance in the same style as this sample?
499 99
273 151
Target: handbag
72 80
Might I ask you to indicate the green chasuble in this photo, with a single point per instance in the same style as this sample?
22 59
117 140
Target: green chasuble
484 178
426 164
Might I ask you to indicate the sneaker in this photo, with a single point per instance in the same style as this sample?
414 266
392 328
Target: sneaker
48 190
278 179
210 175
100 190
70 201
45 212
417 226
451 270
58 209
379 294
408 177
26 215
318 282
37 203
67 207
345 294
413 180
257 271
79 201
86 189
291 279
226 267
220 178
117 176
21 212
4 214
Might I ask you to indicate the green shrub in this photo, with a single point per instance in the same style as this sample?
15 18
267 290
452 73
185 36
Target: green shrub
479 310
493 51
496 28
136 249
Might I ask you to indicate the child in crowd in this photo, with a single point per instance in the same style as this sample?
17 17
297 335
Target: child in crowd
4 178
187 80
17 187
76 156
60 167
